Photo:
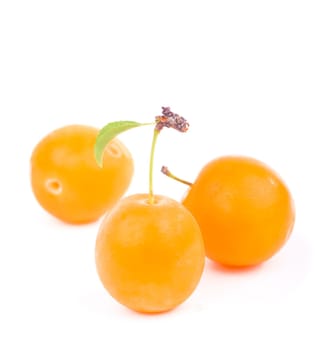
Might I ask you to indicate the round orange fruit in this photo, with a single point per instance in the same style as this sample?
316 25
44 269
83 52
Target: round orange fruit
244 209
149 256
66 179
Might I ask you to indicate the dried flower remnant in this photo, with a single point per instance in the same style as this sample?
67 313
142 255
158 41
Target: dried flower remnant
171 120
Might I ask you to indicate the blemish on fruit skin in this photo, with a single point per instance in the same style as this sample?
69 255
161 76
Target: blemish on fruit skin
272 181
54 186
114 150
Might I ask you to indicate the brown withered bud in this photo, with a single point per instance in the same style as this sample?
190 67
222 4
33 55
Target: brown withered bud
168 119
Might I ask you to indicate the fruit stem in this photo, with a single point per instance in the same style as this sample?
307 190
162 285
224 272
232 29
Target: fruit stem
151 194
168 119
166 172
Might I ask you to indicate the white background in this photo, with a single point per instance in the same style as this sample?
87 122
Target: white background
245 74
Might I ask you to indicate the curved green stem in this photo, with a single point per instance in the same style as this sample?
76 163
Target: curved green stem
151 194
166 172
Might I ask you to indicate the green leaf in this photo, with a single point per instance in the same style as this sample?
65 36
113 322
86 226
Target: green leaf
108 132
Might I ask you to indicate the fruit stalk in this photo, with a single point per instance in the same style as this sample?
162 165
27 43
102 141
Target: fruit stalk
168 119
166 172
151 193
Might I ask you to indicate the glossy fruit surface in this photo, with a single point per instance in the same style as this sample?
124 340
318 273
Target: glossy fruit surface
68 183
149 257
244 209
